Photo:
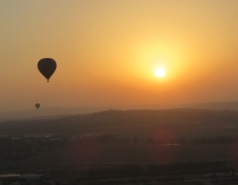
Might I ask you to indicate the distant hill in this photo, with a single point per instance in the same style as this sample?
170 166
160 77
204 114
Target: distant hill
129 121
47 112
215 106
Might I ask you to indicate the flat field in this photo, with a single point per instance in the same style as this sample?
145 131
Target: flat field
91 154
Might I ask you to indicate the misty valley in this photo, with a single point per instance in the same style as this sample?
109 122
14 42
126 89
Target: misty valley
115 146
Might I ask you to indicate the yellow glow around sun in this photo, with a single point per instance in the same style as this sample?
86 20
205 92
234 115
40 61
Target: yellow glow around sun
160 72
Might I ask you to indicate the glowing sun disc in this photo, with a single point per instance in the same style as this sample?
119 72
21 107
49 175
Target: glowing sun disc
160 72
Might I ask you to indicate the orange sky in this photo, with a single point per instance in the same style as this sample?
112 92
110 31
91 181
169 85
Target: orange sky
107 52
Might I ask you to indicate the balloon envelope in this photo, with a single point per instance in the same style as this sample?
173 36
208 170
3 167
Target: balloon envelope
47 67
37 105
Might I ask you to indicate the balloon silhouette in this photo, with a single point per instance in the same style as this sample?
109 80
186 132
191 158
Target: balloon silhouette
47 67
37 105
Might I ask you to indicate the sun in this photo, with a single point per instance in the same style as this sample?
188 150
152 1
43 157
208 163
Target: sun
160 72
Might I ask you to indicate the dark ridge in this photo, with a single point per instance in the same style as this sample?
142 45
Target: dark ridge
114 119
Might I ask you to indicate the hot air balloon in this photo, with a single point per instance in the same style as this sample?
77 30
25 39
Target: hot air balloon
47 67
37 105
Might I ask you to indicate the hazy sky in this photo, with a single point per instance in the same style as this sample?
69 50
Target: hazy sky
107 51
